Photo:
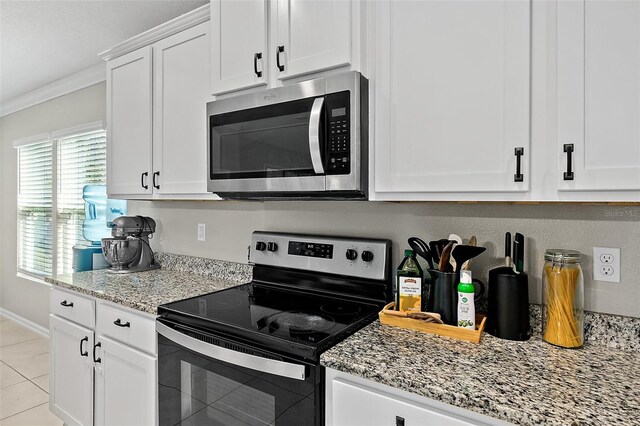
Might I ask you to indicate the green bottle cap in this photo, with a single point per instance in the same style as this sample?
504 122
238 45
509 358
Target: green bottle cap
408 253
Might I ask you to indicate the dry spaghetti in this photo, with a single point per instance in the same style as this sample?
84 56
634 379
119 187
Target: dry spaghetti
563 326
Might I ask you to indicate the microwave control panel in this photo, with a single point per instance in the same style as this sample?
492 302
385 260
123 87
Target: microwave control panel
338 113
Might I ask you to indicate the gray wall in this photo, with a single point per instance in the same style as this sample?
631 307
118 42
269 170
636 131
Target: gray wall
229 224
28 298
579 227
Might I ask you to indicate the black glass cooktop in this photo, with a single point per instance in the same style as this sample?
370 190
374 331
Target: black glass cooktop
283 320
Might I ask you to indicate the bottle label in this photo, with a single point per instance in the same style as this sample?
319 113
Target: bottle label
410 290
466 311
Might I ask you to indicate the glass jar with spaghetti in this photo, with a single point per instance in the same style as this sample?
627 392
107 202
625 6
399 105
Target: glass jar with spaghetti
562 299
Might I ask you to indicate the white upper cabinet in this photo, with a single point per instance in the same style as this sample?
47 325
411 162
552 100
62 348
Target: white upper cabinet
451 91
238 44
156 111
181 64
312 35
129 128
598 98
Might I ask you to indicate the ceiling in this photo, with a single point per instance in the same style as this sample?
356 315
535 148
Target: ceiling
43 41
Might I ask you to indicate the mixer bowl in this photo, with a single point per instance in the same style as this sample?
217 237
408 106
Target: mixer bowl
121 252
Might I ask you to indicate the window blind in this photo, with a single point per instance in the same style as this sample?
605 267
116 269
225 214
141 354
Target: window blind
35 208
81 161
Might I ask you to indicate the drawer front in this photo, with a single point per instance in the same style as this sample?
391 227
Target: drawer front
72 306
125 326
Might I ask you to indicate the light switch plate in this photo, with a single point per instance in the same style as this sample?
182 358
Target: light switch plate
201 232
606 264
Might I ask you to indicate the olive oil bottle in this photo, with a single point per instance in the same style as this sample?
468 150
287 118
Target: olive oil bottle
409 282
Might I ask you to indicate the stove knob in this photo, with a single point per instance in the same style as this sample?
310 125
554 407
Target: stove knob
271 246
352 254
261 246
367 256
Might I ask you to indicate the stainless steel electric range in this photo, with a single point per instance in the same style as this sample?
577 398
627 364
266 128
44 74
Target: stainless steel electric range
250 354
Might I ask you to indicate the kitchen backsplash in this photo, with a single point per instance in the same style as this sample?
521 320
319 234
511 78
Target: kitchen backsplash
229 225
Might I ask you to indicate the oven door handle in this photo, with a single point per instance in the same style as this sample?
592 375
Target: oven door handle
314 135
266 365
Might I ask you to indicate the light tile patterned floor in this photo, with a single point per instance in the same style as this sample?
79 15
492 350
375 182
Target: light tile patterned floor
24 377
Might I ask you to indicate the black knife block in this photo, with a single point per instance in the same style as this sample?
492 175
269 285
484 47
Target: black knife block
508 314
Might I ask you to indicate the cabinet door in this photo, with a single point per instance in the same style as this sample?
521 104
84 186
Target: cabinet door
181 72
71 393
313 35
129 128
238 44
598 94
451 97
126 384
353 405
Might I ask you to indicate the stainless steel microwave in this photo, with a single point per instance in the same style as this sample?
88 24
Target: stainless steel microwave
303 140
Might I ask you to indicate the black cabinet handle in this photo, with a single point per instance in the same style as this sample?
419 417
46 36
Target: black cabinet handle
156 174
568 148
96 346
67 304
399 421
143 180
120 324
257 56
278 51
519 177
85 339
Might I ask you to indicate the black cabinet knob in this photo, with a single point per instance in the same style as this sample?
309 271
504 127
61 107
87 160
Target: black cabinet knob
352 254
367 256
271 246
261 246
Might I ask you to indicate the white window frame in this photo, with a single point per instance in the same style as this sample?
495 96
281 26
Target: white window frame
53 138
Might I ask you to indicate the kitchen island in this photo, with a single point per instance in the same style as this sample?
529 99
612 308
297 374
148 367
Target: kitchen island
528 382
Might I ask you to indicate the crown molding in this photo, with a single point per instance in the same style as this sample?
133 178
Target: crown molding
85 78
174 26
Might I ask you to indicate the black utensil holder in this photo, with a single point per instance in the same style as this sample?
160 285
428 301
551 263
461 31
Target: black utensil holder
508 314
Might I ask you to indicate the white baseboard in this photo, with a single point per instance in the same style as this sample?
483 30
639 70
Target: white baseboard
25 322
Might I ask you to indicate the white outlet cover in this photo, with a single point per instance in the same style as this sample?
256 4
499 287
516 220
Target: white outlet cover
201 232
606 264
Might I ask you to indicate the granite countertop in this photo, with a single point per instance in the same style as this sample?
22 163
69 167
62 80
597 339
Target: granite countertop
179 278
529 382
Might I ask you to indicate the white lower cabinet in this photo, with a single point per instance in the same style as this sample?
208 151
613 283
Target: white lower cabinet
125 384
354 401
102 380
71 376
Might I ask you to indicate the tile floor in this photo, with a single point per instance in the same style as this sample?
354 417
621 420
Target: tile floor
24 377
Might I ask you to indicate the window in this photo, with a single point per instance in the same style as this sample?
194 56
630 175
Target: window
51 175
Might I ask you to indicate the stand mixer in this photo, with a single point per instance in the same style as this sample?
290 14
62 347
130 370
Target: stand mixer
129 249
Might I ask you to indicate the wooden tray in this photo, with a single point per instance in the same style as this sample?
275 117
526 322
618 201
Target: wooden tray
433 328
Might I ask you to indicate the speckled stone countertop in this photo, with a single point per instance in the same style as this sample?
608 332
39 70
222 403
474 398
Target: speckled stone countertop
179 278
528 382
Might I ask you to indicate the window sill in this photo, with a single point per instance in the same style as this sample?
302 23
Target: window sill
35 278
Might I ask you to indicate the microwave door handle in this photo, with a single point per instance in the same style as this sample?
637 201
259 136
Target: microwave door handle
314 135
252 362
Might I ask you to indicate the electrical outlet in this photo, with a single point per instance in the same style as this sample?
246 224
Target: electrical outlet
201 232
606 264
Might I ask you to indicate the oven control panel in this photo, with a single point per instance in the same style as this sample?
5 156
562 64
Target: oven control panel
358 257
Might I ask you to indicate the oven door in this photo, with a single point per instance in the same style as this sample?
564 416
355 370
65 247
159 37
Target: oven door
276 148
206 379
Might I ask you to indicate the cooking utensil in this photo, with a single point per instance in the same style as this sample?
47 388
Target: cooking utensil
507 249
423 316
518 249
444 257
456 238
473 241
421 249
437 247
452 260
462 253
